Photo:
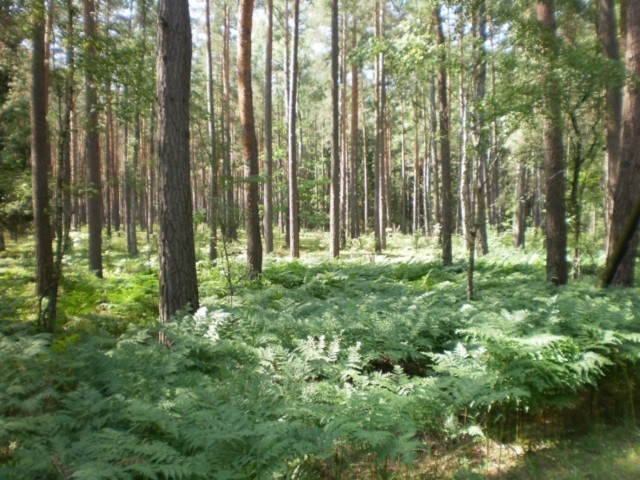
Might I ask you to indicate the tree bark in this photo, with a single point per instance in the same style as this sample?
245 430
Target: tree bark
519 224
213 154
230 230
334 209
344 139
626 193
268 132
178 281
554 163
40 158
379 183
353 177
249 142
294 228
479 127
445 148
607 34
92 145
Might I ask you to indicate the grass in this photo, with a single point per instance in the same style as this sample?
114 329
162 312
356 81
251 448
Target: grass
523 382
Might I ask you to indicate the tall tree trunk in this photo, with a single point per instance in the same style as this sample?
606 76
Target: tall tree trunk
294 228
213 154
365 170
404 193
92 146
435 153
379 210
151 210
334 209
268 132
230 230
178 281
626 194
415 218
353 171
445 148
466 173
426 167
479 126
249 142
130 175
40 158
607 33
344 139
554 163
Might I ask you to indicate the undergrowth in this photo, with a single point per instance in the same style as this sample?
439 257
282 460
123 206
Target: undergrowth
314 371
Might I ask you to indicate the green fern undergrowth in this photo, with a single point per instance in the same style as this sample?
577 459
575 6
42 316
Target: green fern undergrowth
373 366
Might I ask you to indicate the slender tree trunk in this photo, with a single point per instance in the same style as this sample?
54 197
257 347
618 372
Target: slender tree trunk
415 217
554 163
353 177
479 127
344 139
249 142
334 209
426 168
379 213
92 146
268 132
404 188
519 224
131 173
445 149
627 194
75 169
178 281
227 172
213 154
40 158
294 228
365 169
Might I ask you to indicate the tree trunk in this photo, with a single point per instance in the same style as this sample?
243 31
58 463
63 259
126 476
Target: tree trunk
445 148
230 230
365 170
92 146
426 168
75 170
178 281
131 174
334 209
213 154
415 217
268 132
613 96
353 177
294 228
479 127
554 163
344 139
249 142
519 224
404 194
379 213
40 158
626 193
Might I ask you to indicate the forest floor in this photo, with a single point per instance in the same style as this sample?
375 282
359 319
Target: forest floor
370 367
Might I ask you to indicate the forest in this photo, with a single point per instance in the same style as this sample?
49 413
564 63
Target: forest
330 239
